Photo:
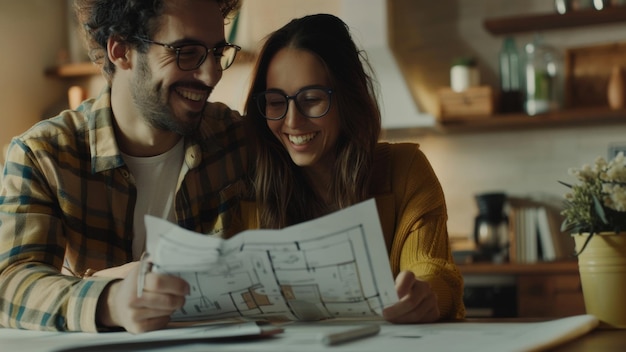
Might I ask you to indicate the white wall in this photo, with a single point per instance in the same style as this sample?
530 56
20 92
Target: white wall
31 36
257 20
368 26
519 163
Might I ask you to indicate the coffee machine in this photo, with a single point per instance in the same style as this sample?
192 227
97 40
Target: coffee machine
491 228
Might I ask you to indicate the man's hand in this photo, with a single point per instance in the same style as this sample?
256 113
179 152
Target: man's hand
162 295
119 272
417 304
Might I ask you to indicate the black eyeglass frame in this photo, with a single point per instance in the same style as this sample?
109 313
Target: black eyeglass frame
177 50
261 107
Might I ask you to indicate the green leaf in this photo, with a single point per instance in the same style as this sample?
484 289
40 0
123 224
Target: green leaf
584 244
566 225
565 184
600 210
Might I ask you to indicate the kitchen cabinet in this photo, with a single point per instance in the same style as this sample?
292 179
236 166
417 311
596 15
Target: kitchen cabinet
550 294
544 289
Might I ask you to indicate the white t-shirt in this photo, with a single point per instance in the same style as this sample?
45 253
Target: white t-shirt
156 178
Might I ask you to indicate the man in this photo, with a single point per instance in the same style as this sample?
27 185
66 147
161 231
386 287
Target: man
76 187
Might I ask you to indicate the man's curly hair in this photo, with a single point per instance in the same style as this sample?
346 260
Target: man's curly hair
126 20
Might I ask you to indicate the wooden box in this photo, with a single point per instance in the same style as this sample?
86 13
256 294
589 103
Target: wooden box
587 73
471 104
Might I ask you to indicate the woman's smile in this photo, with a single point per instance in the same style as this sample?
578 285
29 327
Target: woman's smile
301 139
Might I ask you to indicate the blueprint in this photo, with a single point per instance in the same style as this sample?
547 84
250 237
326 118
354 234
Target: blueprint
333 266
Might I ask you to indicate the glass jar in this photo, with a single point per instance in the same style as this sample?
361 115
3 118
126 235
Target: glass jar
543 78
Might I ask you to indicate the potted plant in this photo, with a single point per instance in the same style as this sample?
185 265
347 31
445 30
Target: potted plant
595 215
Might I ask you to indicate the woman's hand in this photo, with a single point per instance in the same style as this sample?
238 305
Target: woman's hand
417 302
119 304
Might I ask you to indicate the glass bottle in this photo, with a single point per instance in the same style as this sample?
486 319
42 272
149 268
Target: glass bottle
543 78
510 77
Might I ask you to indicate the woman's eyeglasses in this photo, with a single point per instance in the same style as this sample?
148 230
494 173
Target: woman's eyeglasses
312 102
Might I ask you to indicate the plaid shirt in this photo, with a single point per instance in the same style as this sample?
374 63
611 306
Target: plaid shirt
67 200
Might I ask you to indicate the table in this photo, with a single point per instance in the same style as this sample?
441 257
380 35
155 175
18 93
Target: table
485 335
596 341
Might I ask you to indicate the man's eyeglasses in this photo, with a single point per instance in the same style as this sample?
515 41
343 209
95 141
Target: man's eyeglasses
312 102
191 56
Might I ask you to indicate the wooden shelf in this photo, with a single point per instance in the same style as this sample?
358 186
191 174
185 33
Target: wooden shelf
575 117
537 22
563 267
564 118
82 69
245 56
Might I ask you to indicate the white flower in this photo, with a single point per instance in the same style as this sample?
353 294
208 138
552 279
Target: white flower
604 182
586 173
615 197
599 165
616 170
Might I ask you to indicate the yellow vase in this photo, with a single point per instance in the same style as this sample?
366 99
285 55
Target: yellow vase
602 267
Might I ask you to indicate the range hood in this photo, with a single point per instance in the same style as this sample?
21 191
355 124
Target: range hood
367 20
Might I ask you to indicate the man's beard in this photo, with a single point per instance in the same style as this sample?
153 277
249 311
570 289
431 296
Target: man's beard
152 104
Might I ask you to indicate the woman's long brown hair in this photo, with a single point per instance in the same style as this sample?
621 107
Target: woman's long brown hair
281 190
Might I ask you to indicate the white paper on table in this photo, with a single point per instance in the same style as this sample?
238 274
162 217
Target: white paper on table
333 266
39 341
472 336
306 336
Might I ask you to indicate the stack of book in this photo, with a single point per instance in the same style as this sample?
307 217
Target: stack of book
535 232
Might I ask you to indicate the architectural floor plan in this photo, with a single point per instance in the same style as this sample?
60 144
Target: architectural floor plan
335 266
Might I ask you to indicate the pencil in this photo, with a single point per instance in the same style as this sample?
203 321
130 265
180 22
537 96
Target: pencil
350 335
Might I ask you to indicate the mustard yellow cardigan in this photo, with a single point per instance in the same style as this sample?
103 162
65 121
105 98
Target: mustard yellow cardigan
412 212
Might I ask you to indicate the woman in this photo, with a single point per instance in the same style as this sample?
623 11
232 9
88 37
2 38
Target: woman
315 113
